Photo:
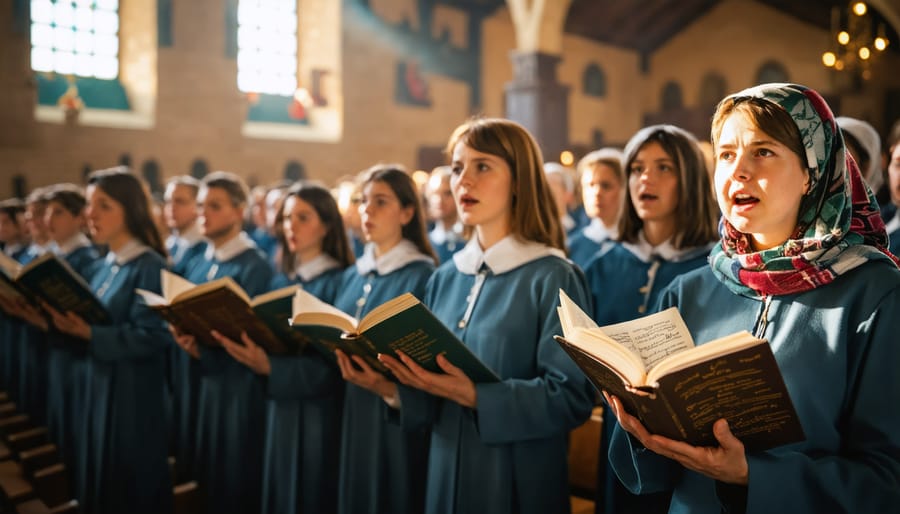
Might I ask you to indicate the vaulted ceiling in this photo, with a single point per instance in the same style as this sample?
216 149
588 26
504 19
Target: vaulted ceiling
645 25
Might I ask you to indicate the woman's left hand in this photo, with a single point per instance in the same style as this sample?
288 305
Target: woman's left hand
725 463
249 354
453 384
68 323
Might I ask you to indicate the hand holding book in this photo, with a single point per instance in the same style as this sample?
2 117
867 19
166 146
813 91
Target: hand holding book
726 463
679 390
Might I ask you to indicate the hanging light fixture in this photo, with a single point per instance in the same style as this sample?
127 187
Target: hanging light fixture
854 43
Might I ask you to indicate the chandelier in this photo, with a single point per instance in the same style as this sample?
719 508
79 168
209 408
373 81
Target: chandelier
855 40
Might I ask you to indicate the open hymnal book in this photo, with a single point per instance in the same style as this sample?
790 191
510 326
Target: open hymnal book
49 279
402 323
678 389
224 306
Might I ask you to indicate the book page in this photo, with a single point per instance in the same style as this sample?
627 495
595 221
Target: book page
173 284
150 298
274 295
571 316
309 310
219 283
387 310
653 337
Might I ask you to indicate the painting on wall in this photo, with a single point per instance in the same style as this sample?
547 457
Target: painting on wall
411 86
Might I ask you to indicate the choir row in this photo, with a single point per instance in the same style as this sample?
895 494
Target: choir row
782 237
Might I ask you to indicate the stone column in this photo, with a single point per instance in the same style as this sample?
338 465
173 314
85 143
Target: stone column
535 98
538 101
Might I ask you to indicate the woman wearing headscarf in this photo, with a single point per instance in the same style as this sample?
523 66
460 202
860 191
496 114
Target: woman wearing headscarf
802 262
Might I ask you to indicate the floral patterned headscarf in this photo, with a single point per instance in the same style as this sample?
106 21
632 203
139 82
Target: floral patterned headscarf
838 228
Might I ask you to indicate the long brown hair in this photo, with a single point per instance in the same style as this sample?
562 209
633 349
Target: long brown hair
335 242
696 213
396 177
124 187
533 214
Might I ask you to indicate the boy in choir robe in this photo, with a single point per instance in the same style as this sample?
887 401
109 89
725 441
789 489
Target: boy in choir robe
185 242
122 438
383 466
802 263
893 225
304 392
67 360
602 191
219 402
666 229
447 235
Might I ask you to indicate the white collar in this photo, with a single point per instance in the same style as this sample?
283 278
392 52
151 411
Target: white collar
440 235
191 236
231 249
568 223
36 250
597 232
507 254
646 252
75 242
400 255
129 251
13 248
894 224
312 269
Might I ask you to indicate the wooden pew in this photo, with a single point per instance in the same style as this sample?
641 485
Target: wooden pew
584 443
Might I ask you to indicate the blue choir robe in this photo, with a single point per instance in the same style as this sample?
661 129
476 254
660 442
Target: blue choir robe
304 396
31 371
446 242
185 248
589 241
382 466
837 349
9 330
266 242
509 453
893 230
626 282
230 402
67 361
122 444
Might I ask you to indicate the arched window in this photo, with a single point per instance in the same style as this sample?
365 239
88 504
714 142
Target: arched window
712 89
771 71
75 37
672 97
594 81
267 46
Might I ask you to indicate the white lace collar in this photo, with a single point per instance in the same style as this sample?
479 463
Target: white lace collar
312 269
400 255
507 254
75 242
129 252
231 249
597 232
644 251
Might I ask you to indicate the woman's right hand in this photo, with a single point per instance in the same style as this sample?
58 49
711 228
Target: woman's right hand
367 378
186 342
